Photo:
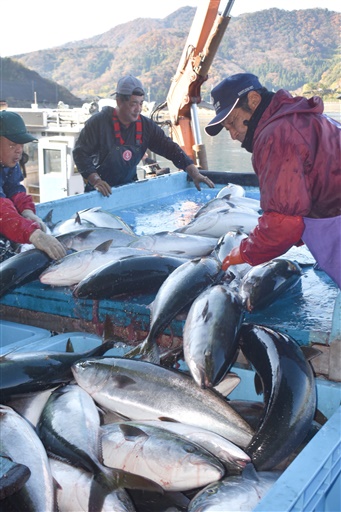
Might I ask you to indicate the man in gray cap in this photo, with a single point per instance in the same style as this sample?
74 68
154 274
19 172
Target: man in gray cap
113 142
296 155
18 221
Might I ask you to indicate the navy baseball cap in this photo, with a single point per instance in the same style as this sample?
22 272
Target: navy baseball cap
226 96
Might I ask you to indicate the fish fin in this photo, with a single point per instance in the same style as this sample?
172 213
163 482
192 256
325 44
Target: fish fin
69 346
164 418
320 417
115 479
250 472
130 432
310 352
104 246
78 220
228 384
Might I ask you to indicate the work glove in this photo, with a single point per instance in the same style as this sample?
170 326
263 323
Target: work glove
233 258
48 243
103 187
28 214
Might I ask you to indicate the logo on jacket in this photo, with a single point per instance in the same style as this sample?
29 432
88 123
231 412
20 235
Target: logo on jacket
127 155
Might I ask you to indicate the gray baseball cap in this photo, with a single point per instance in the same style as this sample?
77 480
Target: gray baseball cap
129 85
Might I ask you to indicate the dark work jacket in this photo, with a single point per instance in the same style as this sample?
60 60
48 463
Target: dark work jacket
97 149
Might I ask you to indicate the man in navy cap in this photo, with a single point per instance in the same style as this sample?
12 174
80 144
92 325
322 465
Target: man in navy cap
296 155
18 220
113 142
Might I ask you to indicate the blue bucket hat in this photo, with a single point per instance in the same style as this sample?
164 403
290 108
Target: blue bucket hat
226 96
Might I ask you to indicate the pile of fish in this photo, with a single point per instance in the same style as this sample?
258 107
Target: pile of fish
90 431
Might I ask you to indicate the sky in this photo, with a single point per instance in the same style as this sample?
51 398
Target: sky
38 25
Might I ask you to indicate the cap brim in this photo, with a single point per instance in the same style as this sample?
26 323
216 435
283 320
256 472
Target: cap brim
21 138
215 126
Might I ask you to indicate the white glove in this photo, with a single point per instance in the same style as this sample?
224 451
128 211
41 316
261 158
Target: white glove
48 243
28 214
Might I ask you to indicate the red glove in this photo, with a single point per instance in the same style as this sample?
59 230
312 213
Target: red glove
233 258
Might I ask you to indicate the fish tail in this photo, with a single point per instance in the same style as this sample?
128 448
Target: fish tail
147 350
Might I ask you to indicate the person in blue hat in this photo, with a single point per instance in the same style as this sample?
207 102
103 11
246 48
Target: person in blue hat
114 140
296 152
18 220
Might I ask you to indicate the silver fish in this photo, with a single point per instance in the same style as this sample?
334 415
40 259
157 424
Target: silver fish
20 442
175 463
142 390
232 189
265 283
93 237
71 225
221 203
216 223
103 219
238 493
74 490
228 453
69 428
289 394
74 267
210 335
178 244
178 290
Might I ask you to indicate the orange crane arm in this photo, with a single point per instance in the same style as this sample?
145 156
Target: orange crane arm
206 33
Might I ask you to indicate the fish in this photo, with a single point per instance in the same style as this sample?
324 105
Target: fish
71 225
134 274
177 244
69 428
235 493
30 405
13 476
211 335
229 454
227 242
265 283
142 390
103 219
74 489
93 237
231 189
175 463
223 203
29 372
289 394
248 202
20 442
22 268
178 291
216 223
74 267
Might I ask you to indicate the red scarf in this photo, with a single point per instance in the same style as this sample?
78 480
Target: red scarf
117 129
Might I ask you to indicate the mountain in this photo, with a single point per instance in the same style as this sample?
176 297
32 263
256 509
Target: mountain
297 50
18 86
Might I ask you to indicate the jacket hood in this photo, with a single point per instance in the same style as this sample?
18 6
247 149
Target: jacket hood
283 104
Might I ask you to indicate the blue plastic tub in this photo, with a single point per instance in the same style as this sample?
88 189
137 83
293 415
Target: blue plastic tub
81 342
15 336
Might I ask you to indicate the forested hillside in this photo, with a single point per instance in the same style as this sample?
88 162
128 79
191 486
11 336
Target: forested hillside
298 50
